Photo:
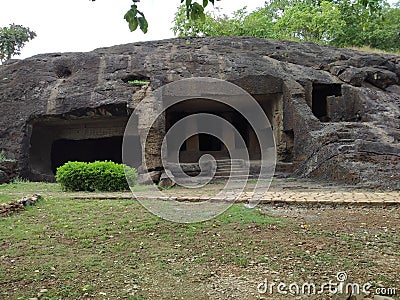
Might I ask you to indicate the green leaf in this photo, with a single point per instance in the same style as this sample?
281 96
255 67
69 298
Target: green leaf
13 39
134 9
205 3
129 16
188 8
197 12
143 24
133 24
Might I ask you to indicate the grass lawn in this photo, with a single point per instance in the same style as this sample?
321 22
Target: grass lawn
17 190
115 249
6 198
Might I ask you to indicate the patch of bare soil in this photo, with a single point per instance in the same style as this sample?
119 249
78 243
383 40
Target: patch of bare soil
313 248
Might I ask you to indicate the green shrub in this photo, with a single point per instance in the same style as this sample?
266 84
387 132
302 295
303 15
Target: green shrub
96 176
138 82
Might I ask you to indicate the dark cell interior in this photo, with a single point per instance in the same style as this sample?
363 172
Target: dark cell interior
84 135
132 154
243 127
319 94
206 142
183 147
209 143
88 150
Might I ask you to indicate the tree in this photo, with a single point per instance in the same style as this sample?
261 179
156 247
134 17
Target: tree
210 25
311 22
240 24
193 10
342 23
188 27
13 39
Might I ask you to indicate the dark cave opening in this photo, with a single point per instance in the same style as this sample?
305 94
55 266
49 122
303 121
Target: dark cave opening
85 135
208 142
88 150
199 144
320 93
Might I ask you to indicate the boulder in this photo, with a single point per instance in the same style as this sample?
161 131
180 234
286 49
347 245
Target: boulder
353 76
149 178
395 89
366 60
380 78
166 180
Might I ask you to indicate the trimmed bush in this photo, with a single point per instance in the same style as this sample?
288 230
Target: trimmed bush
97 176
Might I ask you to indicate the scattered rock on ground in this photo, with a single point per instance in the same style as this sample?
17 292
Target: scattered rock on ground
7 209
167 180
149 178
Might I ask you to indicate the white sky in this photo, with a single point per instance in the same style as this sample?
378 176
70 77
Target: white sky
83 25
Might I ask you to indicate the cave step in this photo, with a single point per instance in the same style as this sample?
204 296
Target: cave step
236 165
230 162
228 168
197 180
226 178
231 173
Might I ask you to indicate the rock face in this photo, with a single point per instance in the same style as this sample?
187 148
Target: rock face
7 171
335 112
4 178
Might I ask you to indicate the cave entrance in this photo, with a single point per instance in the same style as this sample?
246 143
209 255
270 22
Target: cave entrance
320 93
87 137
209 143
199 144
89 150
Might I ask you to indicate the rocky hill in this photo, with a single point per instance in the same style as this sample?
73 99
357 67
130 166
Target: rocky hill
337 111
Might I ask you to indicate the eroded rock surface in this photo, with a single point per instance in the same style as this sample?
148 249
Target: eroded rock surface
7 171
335 112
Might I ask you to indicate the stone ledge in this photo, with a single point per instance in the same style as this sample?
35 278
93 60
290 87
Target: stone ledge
278 198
